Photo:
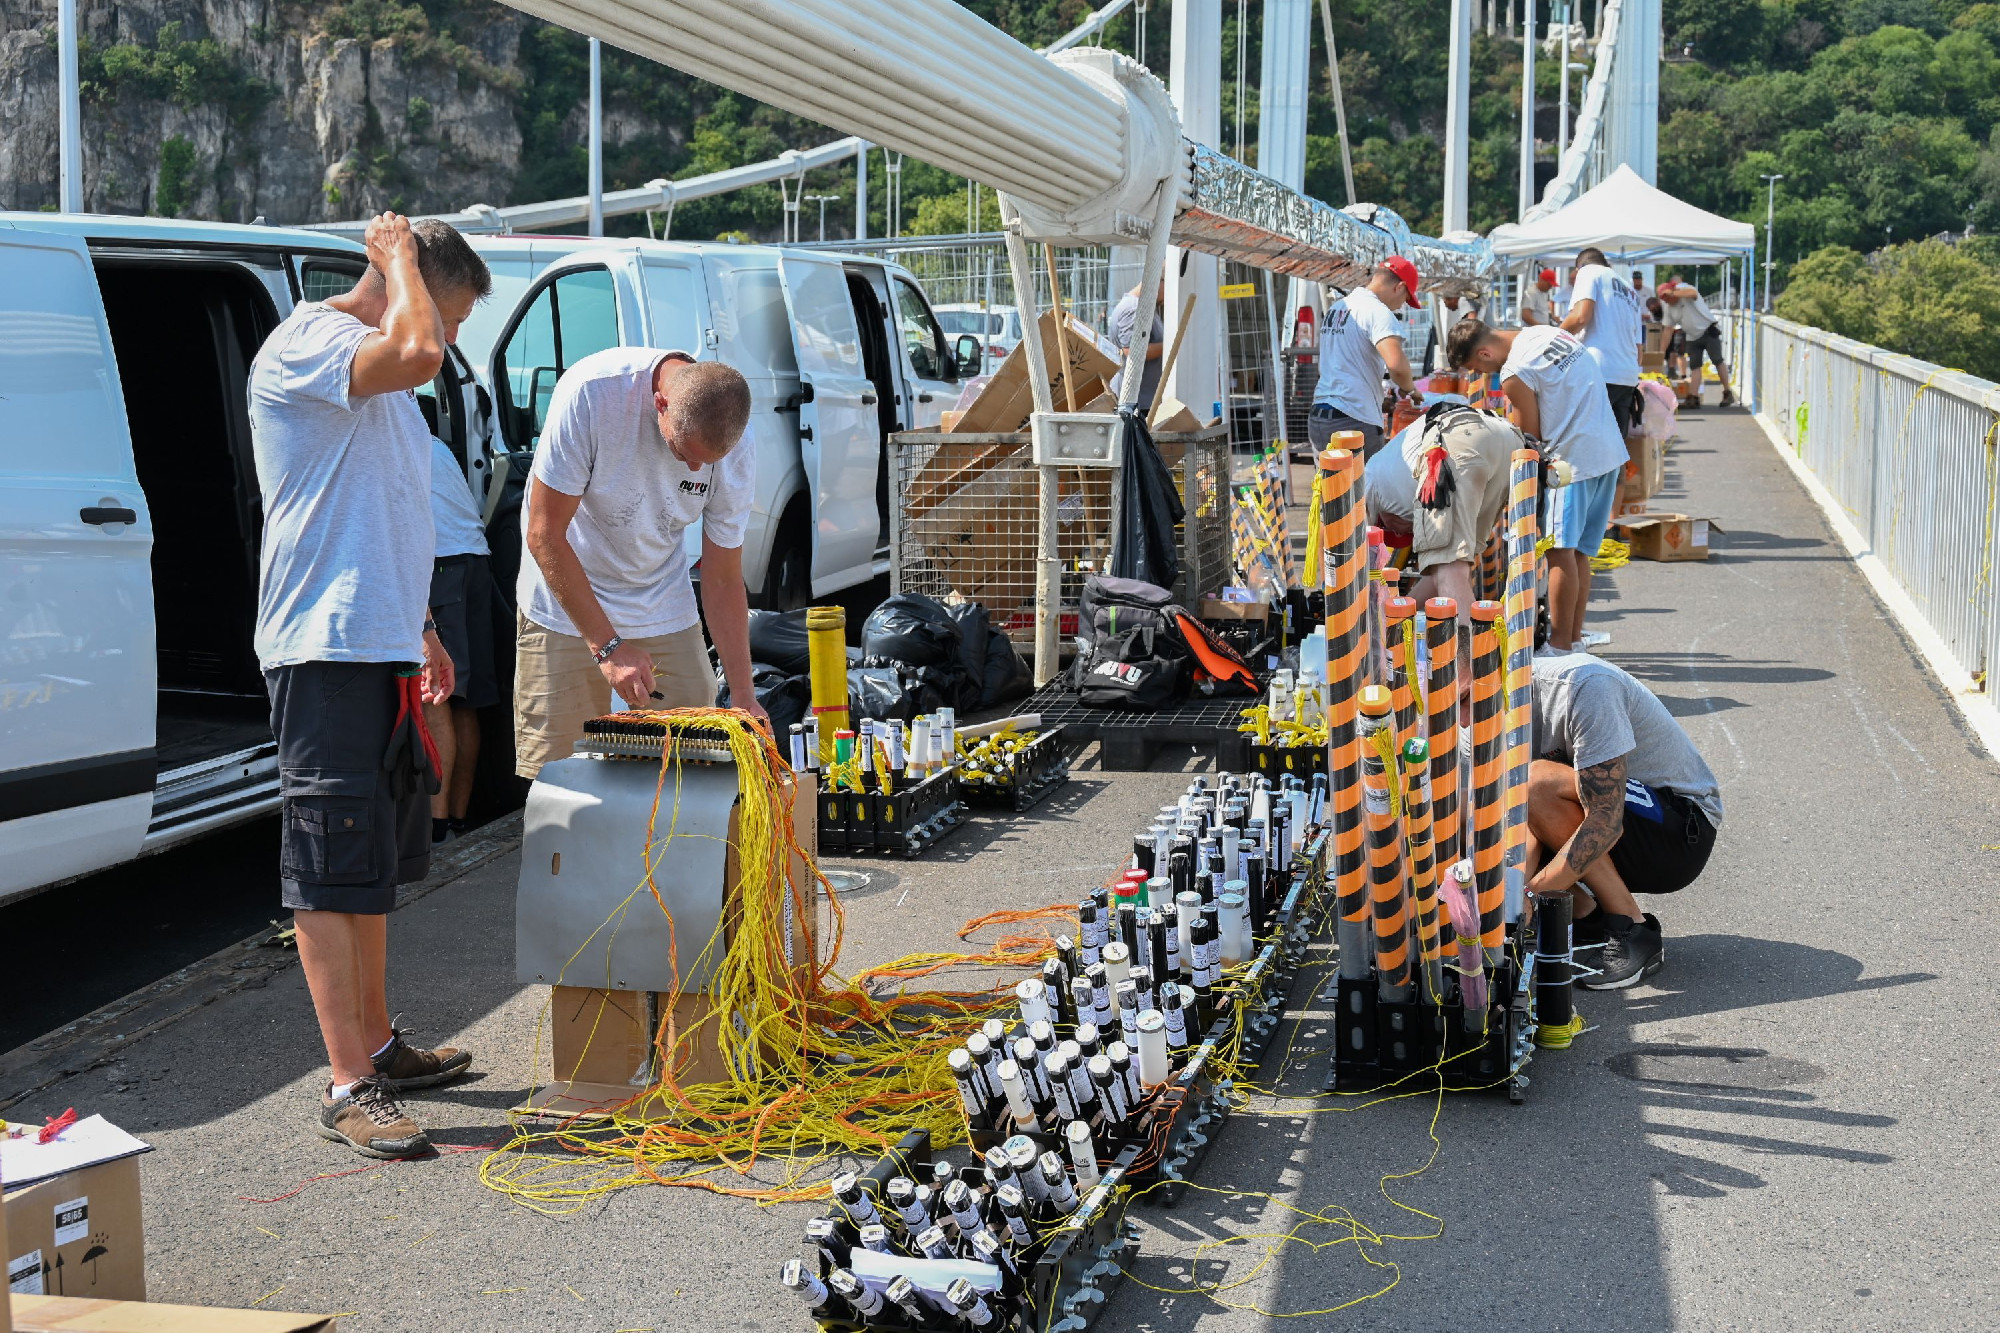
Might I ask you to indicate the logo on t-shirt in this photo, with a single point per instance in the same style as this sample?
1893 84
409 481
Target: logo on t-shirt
694 487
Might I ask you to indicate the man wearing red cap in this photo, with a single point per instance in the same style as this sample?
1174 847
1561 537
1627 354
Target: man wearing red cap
1362 339
1536 308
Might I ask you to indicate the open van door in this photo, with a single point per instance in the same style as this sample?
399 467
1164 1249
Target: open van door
78 679
839 432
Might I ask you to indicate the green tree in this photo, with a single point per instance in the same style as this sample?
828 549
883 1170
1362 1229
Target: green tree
1925 299
177 162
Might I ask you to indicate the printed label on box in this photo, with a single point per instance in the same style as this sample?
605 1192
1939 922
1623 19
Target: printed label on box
24 1275
1701 532
72 1220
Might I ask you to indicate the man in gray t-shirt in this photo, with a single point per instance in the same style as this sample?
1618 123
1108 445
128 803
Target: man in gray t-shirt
1124 319
1619 799
343 465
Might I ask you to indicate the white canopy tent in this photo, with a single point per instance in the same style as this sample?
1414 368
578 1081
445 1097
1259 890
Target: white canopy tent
1631 222
1635 223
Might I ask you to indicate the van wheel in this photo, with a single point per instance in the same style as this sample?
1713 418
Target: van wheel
788 576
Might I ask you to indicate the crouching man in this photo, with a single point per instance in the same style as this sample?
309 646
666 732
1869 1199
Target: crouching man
1620 802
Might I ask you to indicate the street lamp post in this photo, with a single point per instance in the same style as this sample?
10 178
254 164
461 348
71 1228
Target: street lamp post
1770 216
822 200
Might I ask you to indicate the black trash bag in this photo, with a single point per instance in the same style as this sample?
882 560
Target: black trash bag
778 640
913 629
975 631
1007 675
891 692
786 697
1150 506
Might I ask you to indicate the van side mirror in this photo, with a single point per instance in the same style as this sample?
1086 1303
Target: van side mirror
966 351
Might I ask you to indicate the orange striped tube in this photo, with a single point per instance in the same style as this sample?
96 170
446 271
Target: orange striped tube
1493 564
1441 614
1487 809
1399 615
1388 885
1522 529
1423 866
1346 592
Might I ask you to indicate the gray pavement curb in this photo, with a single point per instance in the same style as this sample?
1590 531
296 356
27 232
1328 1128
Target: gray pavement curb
97 1037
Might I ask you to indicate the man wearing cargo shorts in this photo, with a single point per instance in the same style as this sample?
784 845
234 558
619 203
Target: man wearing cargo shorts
639 444
343 464
1461 460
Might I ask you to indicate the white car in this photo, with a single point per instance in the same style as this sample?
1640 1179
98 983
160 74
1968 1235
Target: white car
133 715
996 328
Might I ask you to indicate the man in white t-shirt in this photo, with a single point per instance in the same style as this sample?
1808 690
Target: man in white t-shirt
1605 313
1536 307
343 465
467 609
1701 336
1559 399
1363 340
639 444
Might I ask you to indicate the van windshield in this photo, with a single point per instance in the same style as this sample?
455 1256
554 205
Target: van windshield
956 322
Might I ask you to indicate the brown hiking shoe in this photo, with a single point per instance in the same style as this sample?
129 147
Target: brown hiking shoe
403 1067
368 1120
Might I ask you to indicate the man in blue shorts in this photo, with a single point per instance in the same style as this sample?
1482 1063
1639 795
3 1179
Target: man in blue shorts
1559 399
1619 802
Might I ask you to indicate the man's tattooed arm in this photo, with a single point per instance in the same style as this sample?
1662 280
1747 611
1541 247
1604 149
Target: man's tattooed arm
1600 789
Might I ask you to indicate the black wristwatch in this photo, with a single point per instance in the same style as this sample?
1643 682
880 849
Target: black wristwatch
430 626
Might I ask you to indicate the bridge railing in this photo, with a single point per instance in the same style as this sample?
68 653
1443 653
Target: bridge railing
1907 450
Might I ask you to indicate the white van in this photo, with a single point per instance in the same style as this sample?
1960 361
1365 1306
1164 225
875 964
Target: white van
132 712
840 351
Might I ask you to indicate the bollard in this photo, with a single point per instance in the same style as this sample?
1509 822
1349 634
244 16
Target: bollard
1346 590
1442 704
1388 885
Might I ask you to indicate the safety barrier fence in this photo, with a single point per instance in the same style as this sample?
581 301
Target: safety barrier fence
1907 449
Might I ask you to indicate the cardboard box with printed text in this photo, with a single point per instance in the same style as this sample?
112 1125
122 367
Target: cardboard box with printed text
78 1234
1666 537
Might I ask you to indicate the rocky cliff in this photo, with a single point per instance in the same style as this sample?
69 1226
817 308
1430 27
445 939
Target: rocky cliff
235 109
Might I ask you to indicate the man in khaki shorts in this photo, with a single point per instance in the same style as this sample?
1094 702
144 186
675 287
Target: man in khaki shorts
1453 518
639 444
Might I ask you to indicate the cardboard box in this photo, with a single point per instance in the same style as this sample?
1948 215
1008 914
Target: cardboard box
79 1234
1008 398
59 1314
1174 417
1656 340
1643 475
1214 608
1666 536
1652 361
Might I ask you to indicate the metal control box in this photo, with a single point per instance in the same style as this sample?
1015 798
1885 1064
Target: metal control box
1078 439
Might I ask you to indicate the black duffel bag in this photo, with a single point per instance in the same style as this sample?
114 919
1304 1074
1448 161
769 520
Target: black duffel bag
1128 671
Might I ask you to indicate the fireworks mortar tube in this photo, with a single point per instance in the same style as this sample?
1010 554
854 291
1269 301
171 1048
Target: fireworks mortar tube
1401 616
1522 529
1346 572
1487 809
1082 1153
1388 884
826 669
1423 866
1441 701
1553 1007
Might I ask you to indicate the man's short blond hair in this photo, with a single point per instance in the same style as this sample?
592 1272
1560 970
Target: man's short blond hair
709 405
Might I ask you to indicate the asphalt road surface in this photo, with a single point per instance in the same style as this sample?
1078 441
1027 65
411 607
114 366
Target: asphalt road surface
1788 1129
